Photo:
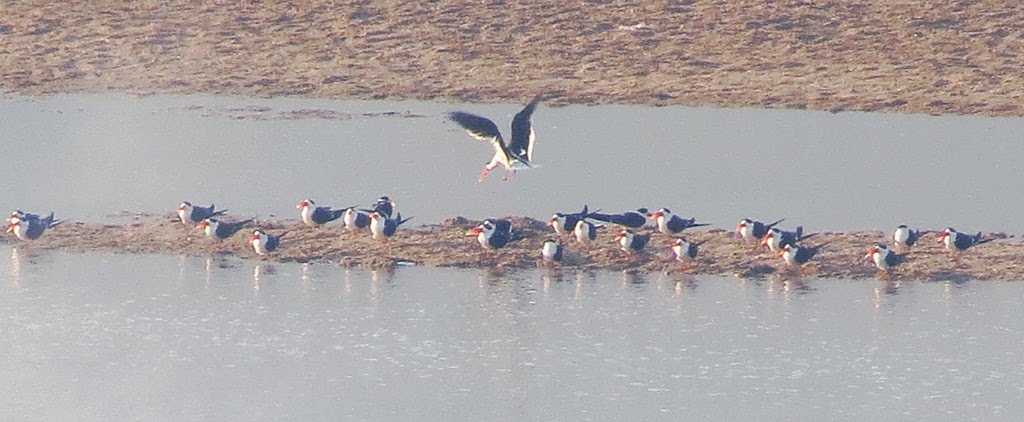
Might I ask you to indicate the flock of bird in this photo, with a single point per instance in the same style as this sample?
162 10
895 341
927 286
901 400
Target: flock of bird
382 220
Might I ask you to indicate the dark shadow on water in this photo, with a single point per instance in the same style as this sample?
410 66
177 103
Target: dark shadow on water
955 277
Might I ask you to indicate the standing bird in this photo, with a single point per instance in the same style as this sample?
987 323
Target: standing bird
356 219
796 255
630 219
672 224
21 215
585 232
776 239
264 243
749 230
315 216
630 242
884 258
685 251
382 228
565 223
190 215
385 206
551 251
28 228
518 152
959 242
904 238
219 230
493 234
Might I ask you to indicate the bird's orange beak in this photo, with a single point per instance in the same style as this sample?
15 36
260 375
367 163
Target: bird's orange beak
202 225
10 227
943 236
871 251
656 214
475 231
764 240
301 204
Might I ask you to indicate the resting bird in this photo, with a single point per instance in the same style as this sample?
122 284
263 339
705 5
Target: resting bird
905 237
190 214
565 223
883 258
31 227
750 230
551 251
518 152
315 216
493 234
264 243
382 228
218 230
630 219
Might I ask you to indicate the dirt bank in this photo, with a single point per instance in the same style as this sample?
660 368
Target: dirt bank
933 57
446 245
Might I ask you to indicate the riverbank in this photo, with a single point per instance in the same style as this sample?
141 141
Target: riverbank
951 57
446 245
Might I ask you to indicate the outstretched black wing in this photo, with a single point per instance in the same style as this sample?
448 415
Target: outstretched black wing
523 135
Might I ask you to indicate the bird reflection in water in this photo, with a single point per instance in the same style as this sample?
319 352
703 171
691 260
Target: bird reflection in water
886 288
18 257
260 273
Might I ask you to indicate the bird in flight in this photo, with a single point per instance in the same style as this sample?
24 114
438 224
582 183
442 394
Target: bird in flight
517 153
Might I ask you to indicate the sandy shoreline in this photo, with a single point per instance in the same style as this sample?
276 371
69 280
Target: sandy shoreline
946 57
445 245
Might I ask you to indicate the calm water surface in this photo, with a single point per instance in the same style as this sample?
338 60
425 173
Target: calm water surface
90 155
99 337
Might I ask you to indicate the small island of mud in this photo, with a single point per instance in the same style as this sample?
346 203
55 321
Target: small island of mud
446 245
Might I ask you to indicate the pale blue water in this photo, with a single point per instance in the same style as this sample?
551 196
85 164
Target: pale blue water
100 337
86 156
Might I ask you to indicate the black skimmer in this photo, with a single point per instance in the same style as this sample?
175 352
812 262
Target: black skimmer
551 251
30 226
382 227
796 255
493 234
191 215
750 231
904 237
518 152
315 216
385 206
564 223
21 215
631 242
776 239
630 219
264 243
671 224
884 258
685 251
959 242
585 232
220 230
356 219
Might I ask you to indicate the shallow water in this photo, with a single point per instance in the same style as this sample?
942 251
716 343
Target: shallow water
86 156
128 337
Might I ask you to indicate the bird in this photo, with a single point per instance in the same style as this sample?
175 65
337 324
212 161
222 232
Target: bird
551 251
671 224
959 242
385 206
585 232
631 242
21 215
565 223
518 152
356 219
493 234
315 216
904 237
264 243
685 251
30 226
775 239
220 230
190 215
796 255
382 228
629 219
750 230
883 257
